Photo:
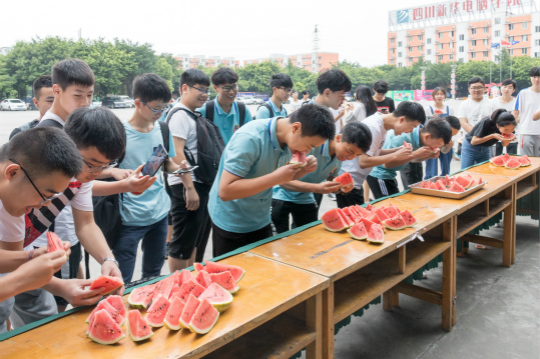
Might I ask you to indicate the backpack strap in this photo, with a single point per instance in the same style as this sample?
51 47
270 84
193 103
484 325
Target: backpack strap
210 111
50 123
267 105
165 133
432 111
241 112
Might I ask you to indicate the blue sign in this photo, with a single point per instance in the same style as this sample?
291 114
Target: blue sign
402 16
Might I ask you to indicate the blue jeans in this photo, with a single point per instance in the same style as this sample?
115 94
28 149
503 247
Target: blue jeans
432 165
153 248
471 155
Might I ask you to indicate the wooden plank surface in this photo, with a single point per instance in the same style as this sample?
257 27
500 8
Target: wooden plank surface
267 289
489 169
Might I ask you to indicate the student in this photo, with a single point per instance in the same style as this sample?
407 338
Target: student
385 105
526 105
332 86
296 197
426 142
445 157
305 96
225 112
295 102
404 119
43 99
189 194
476 107
485 134
254 162
281 86
508 103
144 216
366 105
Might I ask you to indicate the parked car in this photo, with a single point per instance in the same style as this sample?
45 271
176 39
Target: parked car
31 106
129 102
248 100
95 104
114 102
13 104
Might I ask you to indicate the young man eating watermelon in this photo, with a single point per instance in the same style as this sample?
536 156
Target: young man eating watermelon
253 162
296 198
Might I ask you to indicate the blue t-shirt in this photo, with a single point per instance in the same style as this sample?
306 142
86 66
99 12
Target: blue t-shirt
227 123
326 166
393 141
254 151
153 204
263 112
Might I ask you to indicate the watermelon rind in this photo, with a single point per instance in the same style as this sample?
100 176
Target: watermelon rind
104 330
333 221
134 321
189 309
512 164
497 161
408 218
117 303
376 234
139 298
111 310
108 282
524 161
298 158
157 311
203 310
218 296
395 224
358 231
172 318
226 280
237 272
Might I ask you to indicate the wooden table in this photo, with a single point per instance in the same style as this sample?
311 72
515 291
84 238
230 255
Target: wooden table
254 326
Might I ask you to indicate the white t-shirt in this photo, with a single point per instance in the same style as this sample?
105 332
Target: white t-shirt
375 124
527 104
295 105
510 106
431 109
338 123
358 114
183 126
475 111
51 116
11 228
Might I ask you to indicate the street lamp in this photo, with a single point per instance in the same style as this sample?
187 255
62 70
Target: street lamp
453 81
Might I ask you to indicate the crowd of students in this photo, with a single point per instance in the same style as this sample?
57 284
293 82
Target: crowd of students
224 172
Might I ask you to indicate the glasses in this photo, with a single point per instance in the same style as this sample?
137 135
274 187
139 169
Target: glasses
204 92
93 169
476 88
285 89
229 88
156 112
45 199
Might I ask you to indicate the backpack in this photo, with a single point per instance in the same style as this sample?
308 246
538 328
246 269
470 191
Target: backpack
210 146
267 105
34 123
210 111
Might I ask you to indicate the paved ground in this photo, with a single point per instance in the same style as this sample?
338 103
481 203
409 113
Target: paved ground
497 308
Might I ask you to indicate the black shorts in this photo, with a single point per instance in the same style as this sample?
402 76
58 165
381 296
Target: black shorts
301 214
356 196
382 187
225 241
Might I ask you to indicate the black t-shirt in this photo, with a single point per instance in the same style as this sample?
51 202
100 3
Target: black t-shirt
387 104
484 128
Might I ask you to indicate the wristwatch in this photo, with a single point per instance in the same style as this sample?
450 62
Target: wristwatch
112 259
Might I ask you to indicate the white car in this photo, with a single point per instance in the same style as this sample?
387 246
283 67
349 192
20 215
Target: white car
248 100
13 105
127 101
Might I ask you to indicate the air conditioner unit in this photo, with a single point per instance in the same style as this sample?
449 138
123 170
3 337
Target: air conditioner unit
489 36
437 41
470 37
507 21
488 24
453 51
408 33
436 52
452 39
422 31
471 49
453 27
436 30
470 25
423 42
507 34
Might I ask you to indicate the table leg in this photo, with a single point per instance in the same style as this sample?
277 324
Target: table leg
328 322
314 314
509 222
449 274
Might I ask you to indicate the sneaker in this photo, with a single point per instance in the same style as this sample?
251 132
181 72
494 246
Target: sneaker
332 196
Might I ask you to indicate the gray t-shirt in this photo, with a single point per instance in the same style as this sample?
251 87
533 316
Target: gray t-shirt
183 126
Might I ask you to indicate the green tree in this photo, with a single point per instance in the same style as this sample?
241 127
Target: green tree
256 77
6 81
144 57
176 69
164 69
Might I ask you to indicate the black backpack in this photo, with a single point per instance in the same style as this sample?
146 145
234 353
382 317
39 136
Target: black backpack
267 105
34 123
210 146
210 111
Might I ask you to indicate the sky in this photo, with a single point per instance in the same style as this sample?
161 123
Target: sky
243 29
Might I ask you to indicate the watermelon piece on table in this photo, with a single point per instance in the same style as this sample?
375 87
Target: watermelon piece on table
237 272
204 318
203 278
138 328
512 164
349 214
355 211
165 286
506 157
456 187
157 311
391 211
425 185
524 161
363 211
198 267
463 181
189 309
104 330
334 221
374 218
113 312
408 218
226 280
190 287
349 221
172 318
117 303
376 234
54 243
395 224
369 207
218 296
109 283
367 223
440 185
358 231
380 213
140 297
433 186
497 161
185 276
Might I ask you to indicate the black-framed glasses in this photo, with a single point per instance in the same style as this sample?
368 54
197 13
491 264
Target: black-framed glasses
156 112
45 199
230 88
477 88
93 169
288 90
204 92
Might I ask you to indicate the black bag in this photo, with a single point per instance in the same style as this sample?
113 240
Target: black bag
107 208
267 105
210 111
210 146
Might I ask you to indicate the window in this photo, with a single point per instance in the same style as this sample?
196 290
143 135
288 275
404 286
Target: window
524 25
485 54
400 64
399 54
511 52
524 38
410 48
462 49
392 51
510 26
497 20
485 42
420 37
537 28
419 48
440 35
462 37
440 46
392 62
451 45
429 40
497 33
537 54
524 51
410 59
473 31
510 38
537 42
451 34
473 55
440 57
451 57
399 44
429 51
392 40
473 43
410 38
486 30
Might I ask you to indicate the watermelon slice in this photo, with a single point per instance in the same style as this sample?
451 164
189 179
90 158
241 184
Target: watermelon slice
369 207
113 313
433 186
380 213
497 161
356 213
367 223
175 289
138 328
237 272
204 318
440 185
172 318
447 180
508 136
345 179
203 278
117 303
104 330
165 286
512 164
198 267
456 187
226 280
463 181
524 161
109 283
349 215
391 211
358 231
157 311
349 221
185 276
333 221
54 243
363 211
140 297
189 309
190 287
397 223
408 218
376 234
506 157
374 218
298 158
219 297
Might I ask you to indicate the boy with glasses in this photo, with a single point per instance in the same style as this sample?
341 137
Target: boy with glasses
281 86
476 107
527 104
225 112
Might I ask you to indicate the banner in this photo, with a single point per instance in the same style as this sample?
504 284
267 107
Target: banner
423 95
401 95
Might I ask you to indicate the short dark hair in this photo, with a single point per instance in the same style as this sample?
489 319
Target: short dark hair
224 76
509 82
72 72
438 89
280 80
39 83
535 71
503 118
335 80
305 92
475 80
363 94
151 87
412 111
453 121
316 121
42 150
192 77
438 128
97 127
358 134
380 86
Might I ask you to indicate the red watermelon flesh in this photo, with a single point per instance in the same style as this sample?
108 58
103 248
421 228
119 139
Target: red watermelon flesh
349 221
508 136
497 161
527 158
391 211
440 185
456 187
463 181
189 309
367 223
113 312
218 296
157 311
54 243
190 287
433 186
204 318
198 267
363 211
226 280
237 272
374 218
380 213
138 328
376 234
164 286
425 185
512 164
109 283
141 297
203 278
397 223
408 218
349 215
524 161
369 207
117 303
447 180
358 215
358 231
506 157
172 318
175 289
298 158
104 330
345 179
185 276
333 221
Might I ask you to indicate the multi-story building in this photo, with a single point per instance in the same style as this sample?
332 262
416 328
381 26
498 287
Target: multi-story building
313 62
189 62
465 30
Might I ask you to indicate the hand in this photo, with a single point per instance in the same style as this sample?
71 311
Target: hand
423 152
435 153
120 174
41 269
311 164
183 165
451 143
286 173
111 269
498 137
43 250
327 187
73 291
347 189
192 199
139 185
407 145
404 153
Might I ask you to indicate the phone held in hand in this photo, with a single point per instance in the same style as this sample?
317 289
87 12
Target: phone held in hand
185 170
154 162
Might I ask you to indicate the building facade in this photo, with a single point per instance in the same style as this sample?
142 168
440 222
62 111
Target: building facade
190 62
313 62
465 30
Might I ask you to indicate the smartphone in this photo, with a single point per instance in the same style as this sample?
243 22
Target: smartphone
154 162
186 170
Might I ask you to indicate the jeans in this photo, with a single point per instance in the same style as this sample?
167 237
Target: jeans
511 149
471 155
432 165
153 248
